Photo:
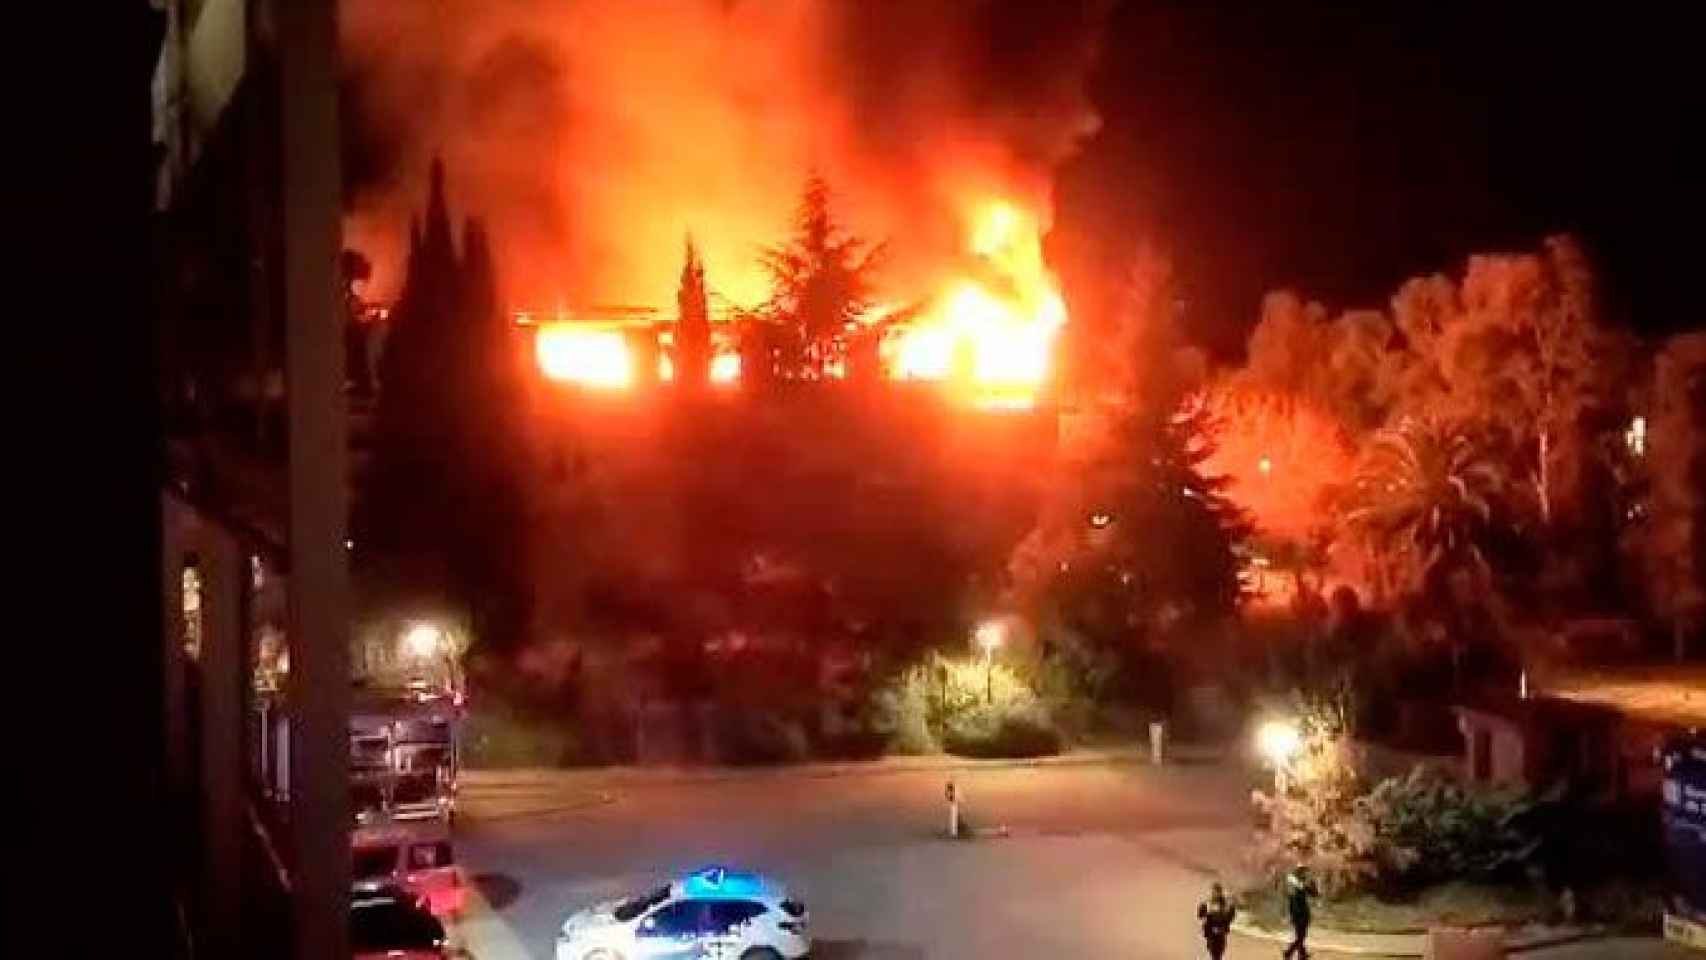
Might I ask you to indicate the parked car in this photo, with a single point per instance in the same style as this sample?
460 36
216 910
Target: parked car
710 913
417 856
389 923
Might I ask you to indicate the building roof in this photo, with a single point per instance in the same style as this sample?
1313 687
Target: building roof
1665 695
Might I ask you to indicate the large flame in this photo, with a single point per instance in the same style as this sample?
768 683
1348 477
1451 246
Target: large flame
989 335
591 356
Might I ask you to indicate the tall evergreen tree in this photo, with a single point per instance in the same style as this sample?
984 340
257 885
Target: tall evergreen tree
1137 535
693 323
821 287
443 505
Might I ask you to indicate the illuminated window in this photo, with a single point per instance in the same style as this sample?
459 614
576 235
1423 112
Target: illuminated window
190 601
1636 436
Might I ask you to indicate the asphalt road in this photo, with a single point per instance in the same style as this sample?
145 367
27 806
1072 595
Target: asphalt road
1102 860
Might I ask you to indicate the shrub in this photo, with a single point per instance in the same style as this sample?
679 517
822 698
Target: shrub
964 707
496 737
1324 828
1430 829
902 712
756 738
1074 679
919 705
1317 819
1005 733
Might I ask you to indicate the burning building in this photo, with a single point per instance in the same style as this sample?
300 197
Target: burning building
986 337
593 136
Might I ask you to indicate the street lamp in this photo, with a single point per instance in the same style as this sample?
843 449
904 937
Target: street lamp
988 637
423 640
427 642
1279 741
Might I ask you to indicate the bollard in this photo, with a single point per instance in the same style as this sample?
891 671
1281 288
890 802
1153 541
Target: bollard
1157 741
953 810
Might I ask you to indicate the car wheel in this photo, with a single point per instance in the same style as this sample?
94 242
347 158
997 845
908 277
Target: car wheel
761 953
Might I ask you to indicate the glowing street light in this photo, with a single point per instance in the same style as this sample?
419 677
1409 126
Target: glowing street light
988 636
1279 741
429 644
423 640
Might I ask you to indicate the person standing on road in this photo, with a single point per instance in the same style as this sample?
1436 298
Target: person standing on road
1216 914
1299 887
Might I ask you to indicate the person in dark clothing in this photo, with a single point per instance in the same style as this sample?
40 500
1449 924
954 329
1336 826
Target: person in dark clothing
1216 914
1299 888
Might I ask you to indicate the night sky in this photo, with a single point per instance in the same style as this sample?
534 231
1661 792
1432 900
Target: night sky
1338 150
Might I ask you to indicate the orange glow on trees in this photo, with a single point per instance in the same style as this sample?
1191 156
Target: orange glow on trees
1281 456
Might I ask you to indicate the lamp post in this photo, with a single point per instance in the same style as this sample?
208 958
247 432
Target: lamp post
1279 740
426 642
988 636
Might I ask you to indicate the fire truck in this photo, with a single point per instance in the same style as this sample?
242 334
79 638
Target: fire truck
404 754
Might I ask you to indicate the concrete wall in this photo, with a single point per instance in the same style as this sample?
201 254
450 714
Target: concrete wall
205 709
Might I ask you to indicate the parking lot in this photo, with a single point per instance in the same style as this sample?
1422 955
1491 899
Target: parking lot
1102 859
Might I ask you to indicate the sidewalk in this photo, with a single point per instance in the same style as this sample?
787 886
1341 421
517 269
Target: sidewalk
493 782
1520 940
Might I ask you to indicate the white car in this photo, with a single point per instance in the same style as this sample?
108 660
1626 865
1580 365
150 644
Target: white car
709 914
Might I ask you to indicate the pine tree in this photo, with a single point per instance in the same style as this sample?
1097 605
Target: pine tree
442 505
1137 533
822 287
693 324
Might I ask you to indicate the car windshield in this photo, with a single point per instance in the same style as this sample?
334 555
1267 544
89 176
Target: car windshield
374 862
390 925
414 788
633 908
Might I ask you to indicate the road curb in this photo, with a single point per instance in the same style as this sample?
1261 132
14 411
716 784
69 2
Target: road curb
1520 940
545 777
1333 941
595 800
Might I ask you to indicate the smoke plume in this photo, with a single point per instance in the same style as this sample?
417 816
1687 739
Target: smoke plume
593 135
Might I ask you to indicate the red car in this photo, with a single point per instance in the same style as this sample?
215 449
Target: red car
417 856
391 924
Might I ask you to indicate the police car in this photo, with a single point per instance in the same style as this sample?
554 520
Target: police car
713 913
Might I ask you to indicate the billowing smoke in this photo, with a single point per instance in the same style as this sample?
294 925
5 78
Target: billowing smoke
593 135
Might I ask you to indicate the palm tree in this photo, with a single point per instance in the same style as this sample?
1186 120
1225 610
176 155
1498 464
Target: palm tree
1423 501
1423 498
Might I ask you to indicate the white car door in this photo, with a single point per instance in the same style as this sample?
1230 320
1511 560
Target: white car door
671 932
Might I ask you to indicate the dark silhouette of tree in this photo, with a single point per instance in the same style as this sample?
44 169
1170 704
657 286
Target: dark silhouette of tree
1138 537
821 288
693 323
442 514
762 351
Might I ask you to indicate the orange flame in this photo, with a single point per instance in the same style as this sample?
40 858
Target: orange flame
990 336
596 357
